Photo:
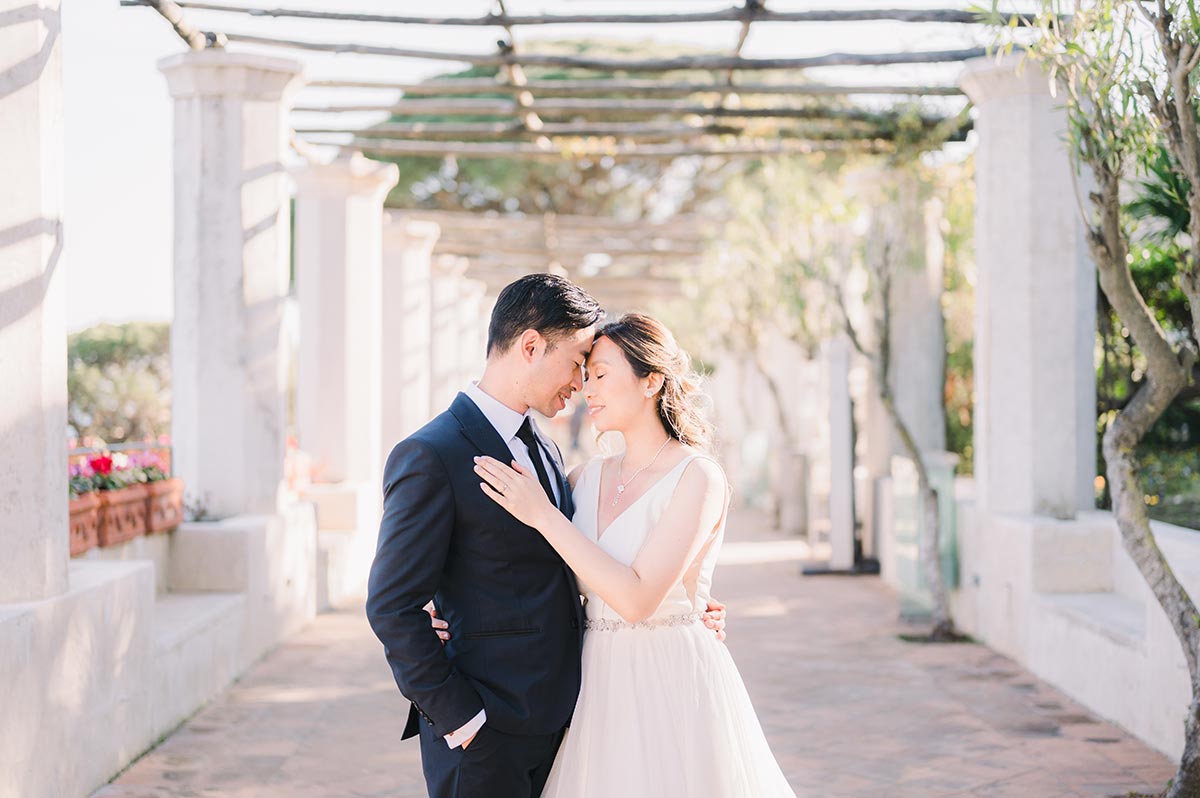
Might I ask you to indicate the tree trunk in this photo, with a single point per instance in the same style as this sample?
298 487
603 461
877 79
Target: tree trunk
1129 508
929 546
1167 374
777 399
785 432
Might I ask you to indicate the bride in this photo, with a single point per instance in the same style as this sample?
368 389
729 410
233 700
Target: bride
662 710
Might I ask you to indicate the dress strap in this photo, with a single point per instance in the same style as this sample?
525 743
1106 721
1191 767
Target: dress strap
713 460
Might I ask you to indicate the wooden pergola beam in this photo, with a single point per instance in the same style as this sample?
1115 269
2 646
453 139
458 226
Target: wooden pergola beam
733 14
684 226
597 149
172 12
512 131
582 108
679 63
608 109
630 256
514 75
608 86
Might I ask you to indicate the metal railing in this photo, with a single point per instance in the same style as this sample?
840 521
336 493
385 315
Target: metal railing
123 448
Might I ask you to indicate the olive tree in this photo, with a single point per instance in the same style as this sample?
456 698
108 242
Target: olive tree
1126 71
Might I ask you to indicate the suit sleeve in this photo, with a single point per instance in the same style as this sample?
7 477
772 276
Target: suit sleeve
414 538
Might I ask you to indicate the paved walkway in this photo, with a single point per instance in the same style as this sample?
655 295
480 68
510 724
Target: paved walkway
850 710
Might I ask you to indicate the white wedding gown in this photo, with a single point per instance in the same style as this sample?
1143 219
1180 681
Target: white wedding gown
662 712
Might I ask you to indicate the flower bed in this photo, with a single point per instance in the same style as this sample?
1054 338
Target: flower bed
116 497
164 504
122 514
85 523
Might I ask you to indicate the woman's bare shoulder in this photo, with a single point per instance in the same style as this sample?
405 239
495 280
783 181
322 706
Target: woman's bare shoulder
577 471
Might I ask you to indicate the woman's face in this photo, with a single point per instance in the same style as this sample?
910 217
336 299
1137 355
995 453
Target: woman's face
614 394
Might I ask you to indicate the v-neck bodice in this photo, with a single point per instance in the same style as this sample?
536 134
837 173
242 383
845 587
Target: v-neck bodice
626 533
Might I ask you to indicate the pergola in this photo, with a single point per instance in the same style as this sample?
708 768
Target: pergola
658 109
608 107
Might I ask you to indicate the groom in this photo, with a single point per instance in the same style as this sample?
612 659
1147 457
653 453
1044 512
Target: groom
491 705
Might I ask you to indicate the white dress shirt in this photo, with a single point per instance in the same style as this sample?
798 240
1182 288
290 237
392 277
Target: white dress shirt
507 423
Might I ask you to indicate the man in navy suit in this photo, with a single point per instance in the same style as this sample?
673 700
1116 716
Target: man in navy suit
491 705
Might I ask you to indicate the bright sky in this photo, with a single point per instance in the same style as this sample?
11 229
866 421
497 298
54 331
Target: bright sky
118 115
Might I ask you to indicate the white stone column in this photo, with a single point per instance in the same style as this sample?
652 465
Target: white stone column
231 276
33 334
1035 302
472 319
339 251
407 250
485 318
841 455
444 354
917 373
918 331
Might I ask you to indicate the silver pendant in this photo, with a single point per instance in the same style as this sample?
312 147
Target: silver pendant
620 490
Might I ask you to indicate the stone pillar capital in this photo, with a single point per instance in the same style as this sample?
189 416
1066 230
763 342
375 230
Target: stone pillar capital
411 234
219 73
450 267
348 175
1011 75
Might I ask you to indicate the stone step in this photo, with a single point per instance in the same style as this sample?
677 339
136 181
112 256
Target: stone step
1117 617
197 652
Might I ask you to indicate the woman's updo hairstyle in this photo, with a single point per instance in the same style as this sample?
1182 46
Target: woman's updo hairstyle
650 348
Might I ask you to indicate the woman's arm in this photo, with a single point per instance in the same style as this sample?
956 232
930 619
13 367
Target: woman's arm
634 591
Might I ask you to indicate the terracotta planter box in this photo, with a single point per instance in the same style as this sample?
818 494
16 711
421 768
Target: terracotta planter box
122 514
164 505
85 523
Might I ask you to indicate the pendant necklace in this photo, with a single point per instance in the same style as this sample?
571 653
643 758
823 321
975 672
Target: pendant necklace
622 485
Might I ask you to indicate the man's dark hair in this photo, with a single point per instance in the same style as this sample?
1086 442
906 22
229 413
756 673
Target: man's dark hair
550 304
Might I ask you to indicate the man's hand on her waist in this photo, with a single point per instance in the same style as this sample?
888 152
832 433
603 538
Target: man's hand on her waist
439 626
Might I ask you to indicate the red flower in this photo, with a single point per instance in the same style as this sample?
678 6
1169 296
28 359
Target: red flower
101 465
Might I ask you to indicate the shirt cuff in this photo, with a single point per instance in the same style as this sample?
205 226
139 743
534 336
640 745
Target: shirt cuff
456 738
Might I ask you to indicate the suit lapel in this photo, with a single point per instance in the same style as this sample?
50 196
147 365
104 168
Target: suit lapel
483 435
479 430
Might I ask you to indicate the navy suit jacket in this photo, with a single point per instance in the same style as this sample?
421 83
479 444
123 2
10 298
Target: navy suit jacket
513 606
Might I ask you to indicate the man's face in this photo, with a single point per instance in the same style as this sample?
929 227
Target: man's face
559 372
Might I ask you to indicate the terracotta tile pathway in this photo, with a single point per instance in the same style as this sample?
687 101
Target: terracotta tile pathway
850 710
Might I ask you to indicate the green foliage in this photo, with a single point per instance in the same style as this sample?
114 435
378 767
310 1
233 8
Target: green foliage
782 218
1162 200
955 184
79 484
600 185
796 229
1097 55
118 381
1171 481
1159 215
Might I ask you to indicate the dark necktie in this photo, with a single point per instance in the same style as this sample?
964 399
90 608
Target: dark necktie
525 433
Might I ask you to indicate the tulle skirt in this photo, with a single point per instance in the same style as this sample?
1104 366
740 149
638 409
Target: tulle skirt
663 713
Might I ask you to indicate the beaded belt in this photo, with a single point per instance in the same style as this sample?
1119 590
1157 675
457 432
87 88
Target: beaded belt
612 625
